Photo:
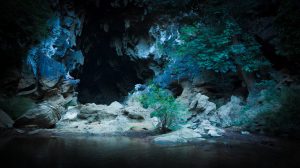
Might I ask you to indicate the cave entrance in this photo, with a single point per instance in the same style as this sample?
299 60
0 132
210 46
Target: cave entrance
107 77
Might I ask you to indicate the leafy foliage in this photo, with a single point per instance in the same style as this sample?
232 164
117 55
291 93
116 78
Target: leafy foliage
275 111
170 112
214 46
286 119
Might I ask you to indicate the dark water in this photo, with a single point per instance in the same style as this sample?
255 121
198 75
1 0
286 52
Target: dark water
137 153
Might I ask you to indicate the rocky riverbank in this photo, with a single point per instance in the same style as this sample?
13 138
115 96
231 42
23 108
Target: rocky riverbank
52 118
83 76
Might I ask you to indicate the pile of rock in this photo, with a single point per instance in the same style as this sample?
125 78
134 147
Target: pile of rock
113 118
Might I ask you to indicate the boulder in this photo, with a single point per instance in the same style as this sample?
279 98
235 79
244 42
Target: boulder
57 100
183 135
60 102
187 93
135 111
205 128
91 108
142 126
115 107
138 129
73 101
44 115
5 120
94 113
133 116
200 103
230 112
71 114
213 133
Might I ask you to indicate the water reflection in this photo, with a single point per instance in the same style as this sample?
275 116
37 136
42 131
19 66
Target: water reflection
138 153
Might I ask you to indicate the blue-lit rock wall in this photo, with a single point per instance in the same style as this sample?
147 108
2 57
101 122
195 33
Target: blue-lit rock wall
183 68
56 56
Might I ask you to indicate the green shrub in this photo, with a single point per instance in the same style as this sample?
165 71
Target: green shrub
285 119
16 106
170 112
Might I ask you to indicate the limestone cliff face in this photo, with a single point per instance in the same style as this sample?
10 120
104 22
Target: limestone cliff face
113 45
46 63
103 48
53 59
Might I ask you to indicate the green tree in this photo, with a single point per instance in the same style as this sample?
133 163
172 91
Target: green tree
170 112
222 47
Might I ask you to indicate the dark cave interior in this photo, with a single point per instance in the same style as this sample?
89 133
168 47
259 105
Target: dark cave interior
106 76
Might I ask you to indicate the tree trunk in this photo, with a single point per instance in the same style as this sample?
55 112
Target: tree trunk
248 77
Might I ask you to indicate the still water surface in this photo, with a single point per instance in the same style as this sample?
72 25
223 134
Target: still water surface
123 152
